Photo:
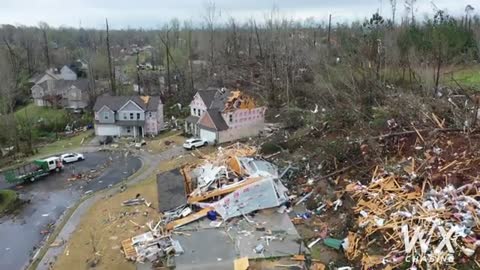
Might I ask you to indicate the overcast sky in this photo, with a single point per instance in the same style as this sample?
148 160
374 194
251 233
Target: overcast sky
152 13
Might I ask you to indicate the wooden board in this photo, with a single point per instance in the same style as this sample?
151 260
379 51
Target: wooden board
241 264
130 252
221 191
190 218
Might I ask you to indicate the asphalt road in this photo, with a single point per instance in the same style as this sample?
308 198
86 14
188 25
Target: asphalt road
50 197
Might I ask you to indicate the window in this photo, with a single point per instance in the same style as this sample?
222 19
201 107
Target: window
194 111
105 115
128 129
199 112
230 118
138 116
150 114
131 116
125 116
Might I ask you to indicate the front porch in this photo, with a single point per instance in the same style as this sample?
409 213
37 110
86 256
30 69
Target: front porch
191 126
132 131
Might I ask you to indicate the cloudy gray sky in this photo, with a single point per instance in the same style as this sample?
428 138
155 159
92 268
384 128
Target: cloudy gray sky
152 13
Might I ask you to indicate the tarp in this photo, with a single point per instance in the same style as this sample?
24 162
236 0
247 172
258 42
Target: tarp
265 193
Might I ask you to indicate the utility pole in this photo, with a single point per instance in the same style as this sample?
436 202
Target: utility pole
110 68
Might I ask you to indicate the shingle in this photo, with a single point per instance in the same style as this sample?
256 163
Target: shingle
217 119
116 102
207 96
214 98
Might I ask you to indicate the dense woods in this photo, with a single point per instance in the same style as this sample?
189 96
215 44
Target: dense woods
347 78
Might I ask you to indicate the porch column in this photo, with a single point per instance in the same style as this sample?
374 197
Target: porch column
134 132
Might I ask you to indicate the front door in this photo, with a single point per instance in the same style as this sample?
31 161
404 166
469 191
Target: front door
140 131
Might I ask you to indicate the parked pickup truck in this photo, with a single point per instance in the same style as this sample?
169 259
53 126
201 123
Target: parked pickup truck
34 170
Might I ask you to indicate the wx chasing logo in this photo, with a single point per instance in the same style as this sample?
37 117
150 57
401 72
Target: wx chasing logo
424 239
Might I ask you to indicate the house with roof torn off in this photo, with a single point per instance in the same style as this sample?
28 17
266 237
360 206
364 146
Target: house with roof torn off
134 116
223 115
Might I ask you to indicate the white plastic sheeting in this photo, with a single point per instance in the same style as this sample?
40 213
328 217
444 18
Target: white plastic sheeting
207 173
265 193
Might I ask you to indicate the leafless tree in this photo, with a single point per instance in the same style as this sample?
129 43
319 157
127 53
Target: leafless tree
410 8
468 17
111 70
393 4
44 27
211 16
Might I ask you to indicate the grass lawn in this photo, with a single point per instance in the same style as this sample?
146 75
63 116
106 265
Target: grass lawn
7 198
35 113
107 223
164 141
469 76
64 144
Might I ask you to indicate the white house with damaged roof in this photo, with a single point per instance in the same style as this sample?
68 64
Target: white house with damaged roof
60 87
132 116
223 115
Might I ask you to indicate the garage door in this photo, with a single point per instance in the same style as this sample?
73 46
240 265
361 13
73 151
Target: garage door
106 130
209 136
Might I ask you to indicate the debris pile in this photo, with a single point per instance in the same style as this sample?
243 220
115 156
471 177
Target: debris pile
431 226
422 211
231 188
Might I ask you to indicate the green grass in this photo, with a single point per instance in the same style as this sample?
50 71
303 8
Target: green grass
469 77
64 144
36 113
7 198
57 147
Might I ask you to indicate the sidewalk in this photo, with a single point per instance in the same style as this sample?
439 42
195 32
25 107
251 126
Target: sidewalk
150 165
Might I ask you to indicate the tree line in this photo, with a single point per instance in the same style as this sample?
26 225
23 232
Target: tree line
347 69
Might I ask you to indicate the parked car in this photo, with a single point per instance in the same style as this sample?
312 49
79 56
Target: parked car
71 157
193 143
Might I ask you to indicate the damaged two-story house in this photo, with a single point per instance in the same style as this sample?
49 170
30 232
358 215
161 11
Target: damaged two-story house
60 88
222 115
62 93
133 116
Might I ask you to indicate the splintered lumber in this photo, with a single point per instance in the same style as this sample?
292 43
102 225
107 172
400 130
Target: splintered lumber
129 250
241 264
222 191
190 218
188 180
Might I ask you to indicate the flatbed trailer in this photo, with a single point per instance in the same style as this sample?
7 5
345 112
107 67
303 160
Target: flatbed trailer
32 171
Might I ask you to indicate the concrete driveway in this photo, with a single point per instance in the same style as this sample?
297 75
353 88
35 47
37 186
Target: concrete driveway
49 197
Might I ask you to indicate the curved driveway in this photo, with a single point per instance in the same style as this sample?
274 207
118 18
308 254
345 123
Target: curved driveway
50 197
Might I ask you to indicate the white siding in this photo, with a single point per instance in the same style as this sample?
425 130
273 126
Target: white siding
209 136
68 74
106 130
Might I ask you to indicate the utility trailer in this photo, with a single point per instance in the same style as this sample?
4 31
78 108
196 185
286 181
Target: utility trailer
33 170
